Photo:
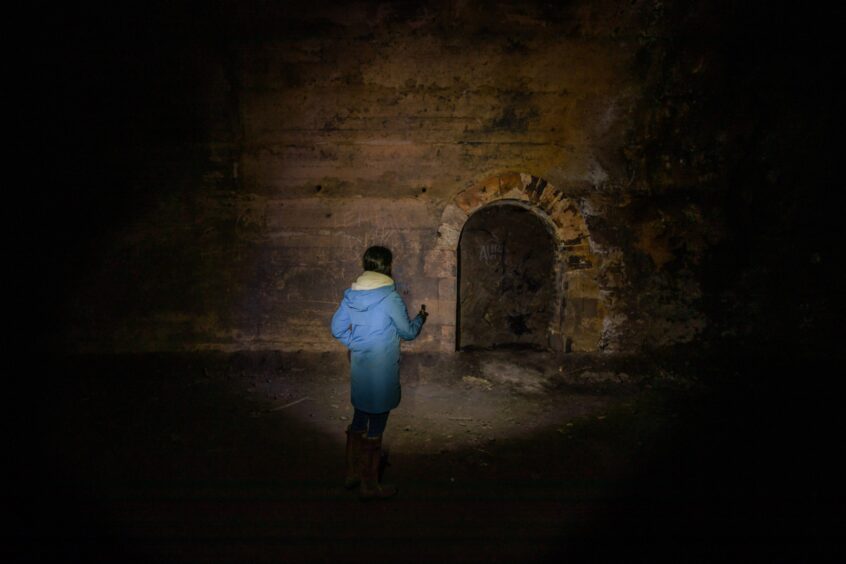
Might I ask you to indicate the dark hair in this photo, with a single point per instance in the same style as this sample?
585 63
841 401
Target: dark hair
378 259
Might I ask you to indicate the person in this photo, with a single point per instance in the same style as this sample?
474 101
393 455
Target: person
370 321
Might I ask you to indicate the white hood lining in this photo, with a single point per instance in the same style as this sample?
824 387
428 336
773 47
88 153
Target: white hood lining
370 280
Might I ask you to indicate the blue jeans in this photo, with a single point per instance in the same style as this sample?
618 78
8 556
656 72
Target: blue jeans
376 426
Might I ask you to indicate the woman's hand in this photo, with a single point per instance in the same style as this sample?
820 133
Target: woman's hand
423 313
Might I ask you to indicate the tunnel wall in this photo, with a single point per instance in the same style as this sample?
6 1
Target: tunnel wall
222 174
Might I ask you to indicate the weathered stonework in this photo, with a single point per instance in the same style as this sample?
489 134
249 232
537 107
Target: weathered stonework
240 180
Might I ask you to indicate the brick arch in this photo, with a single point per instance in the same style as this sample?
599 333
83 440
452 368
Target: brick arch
577 321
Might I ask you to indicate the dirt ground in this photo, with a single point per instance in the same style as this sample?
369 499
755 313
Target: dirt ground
499 456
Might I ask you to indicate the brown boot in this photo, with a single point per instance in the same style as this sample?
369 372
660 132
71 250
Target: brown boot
370 487
354 458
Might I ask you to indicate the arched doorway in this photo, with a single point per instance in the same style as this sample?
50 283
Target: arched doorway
506 279
578 310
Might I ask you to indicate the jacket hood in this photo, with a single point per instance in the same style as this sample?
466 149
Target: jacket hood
368 290
370 280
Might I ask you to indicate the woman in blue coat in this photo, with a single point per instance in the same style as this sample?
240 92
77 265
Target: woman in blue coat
370 322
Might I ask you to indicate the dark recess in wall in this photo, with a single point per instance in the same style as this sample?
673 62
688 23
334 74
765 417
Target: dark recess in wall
505 279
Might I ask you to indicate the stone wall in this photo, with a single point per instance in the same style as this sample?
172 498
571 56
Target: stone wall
244 159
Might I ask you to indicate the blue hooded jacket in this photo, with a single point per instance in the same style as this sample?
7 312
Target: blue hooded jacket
370 321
